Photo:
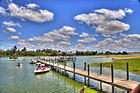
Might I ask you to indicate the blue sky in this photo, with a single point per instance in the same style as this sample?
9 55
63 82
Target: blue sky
100 25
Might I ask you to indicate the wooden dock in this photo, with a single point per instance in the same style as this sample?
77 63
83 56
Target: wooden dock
117 82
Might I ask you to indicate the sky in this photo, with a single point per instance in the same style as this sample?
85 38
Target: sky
70 25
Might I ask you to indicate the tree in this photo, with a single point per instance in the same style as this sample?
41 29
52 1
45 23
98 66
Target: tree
107 53
24 49
13 50
125 53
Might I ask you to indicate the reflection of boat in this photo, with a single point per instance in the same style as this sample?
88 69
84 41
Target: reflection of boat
18 64
42 70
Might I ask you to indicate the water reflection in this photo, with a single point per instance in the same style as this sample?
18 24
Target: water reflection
15 79
22 79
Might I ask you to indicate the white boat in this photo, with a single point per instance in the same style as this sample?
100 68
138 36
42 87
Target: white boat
18 64
42 70
33 61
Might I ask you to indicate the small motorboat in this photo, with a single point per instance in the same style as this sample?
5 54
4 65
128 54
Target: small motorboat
42 70
33 61
18 64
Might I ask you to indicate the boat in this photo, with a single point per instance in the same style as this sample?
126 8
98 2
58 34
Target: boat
13 57
42 70
33 61
18 64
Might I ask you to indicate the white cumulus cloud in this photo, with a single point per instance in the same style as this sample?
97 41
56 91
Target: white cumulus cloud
112 27
105 21
68 30
32 15
130 11
14 37
11 30
84 34
86 40
2 10
32 5
11 23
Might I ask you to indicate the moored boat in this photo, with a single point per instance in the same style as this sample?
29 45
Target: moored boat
33 61
42 70
18 64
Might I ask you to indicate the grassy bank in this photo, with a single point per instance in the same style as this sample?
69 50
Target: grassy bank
134 64
118 56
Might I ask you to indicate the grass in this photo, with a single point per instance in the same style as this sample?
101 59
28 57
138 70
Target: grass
134 64
118 56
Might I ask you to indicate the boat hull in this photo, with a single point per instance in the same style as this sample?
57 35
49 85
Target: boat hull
42 71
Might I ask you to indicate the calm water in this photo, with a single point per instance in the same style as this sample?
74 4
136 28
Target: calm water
15 79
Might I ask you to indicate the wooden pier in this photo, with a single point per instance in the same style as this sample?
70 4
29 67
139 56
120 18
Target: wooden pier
115 82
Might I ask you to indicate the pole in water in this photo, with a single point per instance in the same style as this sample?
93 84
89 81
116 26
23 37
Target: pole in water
88 75
112 89
127 68
74 71
112 74
101 86
84 66
100 68
85 70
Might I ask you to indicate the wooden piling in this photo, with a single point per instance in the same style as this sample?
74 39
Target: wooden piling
127 69
112 74
74 70
100 68
84 66
88 75
85 70
101 88
65 68
112 89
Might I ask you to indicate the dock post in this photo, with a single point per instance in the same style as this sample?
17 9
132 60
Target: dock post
127 69
74 70
55 59
85 70
112 74
84 66
112 88
101 88
58 67
65 68
100 68
53 65
88 75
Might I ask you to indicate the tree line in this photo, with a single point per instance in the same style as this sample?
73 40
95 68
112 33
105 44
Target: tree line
49 52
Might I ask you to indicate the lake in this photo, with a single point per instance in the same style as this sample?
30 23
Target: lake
15 79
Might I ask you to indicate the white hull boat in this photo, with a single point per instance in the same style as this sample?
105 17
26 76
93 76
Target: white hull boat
42 70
